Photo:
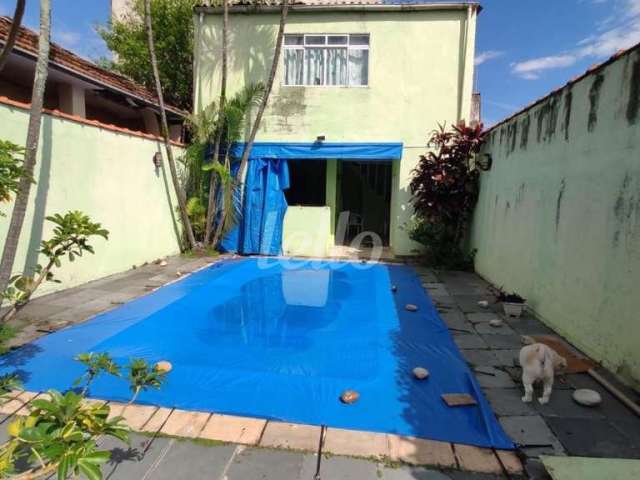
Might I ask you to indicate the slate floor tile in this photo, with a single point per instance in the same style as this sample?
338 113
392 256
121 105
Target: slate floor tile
465 340
610 406
562 404
132 462
497 342
265 464
489 377
508 357
529 326
508 401
485 328
630 427
480 357
408 473
455 319
481 317
588 437
475 476
187 459
4 436
469 303
341 468
533 431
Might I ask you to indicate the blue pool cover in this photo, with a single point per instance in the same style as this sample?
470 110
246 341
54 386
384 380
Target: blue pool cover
282 339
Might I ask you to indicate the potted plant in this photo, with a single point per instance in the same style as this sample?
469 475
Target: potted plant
512 303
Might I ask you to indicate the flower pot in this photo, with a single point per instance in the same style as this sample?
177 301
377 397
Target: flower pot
513 309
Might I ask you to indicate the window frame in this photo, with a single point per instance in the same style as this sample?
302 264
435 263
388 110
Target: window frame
304 46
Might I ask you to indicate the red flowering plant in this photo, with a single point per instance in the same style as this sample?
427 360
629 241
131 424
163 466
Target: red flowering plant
444 189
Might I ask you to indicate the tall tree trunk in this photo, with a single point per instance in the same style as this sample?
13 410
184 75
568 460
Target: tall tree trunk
13 33
211 208
263 105
31 148
182 202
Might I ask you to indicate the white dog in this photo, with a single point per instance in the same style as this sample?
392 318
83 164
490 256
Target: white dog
539 363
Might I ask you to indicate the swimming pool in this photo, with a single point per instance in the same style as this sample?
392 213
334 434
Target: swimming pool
282 339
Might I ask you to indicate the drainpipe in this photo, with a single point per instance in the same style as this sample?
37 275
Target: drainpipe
467 65
196 60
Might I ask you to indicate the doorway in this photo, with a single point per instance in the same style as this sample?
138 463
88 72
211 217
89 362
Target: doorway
364 190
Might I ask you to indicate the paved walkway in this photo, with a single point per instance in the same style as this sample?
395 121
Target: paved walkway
561 427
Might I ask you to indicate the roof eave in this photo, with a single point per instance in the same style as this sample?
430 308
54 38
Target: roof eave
300 8
87 78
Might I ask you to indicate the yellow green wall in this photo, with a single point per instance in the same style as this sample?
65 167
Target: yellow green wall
109 176
408 93
558 219
306 231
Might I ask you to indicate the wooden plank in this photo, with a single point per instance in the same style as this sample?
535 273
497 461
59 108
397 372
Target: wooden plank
458 399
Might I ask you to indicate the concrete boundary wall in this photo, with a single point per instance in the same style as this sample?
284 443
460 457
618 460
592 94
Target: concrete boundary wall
558 218
105 173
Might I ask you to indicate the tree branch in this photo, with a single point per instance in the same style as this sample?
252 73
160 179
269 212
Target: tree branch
13 33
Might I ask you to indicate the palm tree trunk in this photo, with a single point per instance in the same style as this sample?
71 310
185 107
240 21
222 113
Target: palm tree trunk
13 33
31 150
227 205
265 99
182 202
211 209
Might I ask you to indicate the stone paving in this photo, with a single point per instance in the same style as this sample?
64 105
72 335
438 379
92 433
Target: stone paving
561 427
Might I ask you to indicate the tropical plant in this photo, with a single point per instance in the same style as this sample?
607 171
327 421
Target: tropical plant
197 212
442 249
9 382
70 239
13 33
173 27
444 190
60 435
33 139
96 364
62 431
206 129
234 118
7 332
143 376
182 201
12 170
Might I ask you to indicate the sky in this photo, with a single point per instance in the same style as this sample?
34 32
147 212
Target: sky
525 48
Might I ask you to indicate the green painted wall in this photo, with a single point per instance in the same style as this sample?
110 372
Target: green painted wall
306 231
109 176
558 219
407 96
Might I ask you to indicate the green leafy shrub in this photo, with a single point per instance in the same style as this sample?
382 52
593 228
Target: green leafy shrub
441 248
172 22
444 189
143 376
60 435
96 364
11 170
70 239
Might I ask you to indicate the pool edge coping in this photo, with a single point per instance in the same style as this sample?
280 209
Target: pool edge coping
262 433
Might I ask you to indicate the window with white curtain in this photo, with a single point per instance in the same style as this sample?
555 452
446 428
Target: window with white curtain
331 60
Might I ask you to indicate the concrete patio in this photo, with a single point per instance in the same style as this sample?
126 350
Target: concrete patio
561 427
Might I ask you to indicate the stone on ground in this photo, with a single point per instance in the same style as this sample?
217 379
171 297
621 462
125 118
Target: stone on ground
587 397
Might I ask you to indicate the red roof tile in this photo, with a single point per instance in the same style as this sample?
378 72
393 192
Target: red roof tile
27 43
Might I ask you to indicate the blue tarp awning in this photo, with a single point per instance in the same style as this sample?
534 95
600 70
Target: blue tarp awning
321 151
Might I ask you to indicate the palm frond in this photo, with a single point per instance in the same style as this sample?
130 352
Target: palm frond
204 124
